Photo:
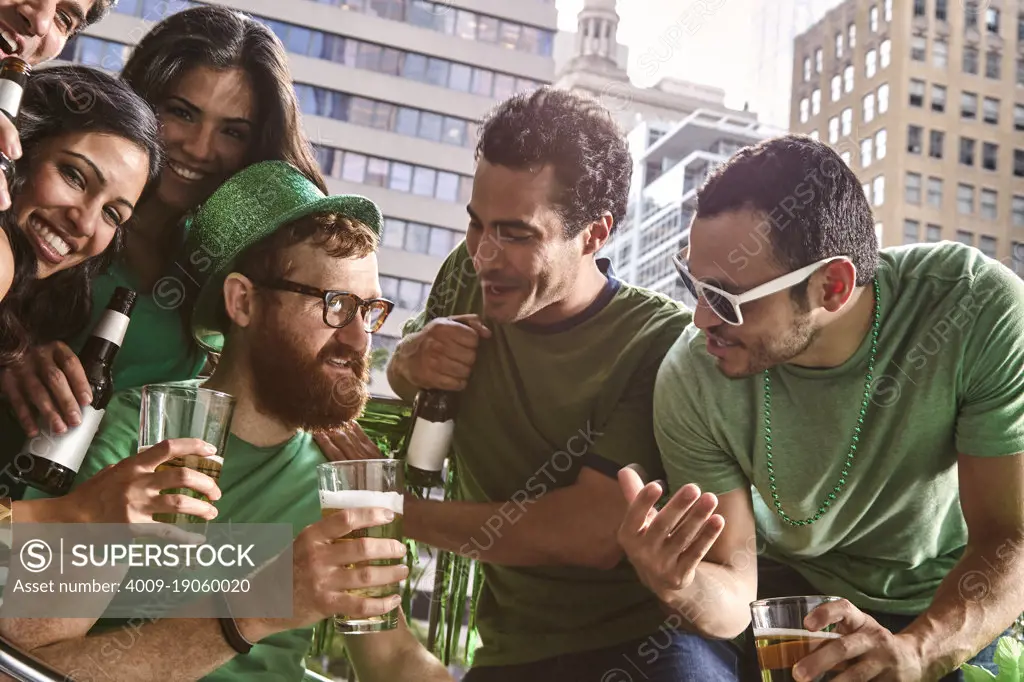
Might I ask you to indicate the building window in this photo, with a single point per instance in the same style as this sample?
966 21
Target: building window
920 8
816 102
1020 72
873 19
993 65
845 156
1018 163
911 229
965 237
869 107
987 245
987 204
870 63
938 98
833 130
990 110
918 48
935 192
965 199
940 53
880 144
992 20
847 120
1018 116
888 9
883 98
942 10
912 194
1018 211
968 105
837 88
916 92
848 79
865 152
851 36
1020 27
839 46
936 143
805 106
807 69
967 146
878 190
884 53
818 60
1017 258
989 156
914 138
971 14
933 233
970 61
813 135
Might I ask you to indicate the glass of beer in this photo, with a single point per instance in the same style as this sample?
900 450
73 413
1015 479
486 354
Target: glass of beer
780 637
357 484
185 410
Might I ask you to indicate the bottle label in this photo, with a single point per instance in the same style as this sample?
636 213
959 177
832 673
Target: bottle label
429 444
112 327
67 449
10 97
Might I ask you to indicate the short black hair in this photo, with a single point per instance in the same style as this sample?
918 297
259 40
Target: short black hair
99 10
812 202
578 137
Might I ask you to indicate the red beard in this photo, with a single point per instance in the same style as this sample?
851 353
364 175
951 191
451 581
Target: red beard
306 392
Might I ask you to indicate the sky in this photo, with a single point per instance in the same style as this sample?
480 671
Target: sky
703 41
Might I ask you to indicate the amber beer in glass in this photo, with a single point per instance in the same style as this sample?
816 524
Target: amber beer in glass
781 639
360 484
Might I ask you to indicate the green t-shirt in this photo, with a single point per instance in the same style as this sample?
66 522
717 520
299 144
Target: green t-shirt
276 484
536 396
948 380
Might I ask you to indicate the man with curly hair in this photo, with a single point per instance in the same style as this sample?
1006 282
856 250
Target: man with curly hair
554 359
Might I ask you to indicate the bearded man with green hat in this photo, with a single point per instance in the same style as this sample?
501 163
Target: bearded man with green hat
287 292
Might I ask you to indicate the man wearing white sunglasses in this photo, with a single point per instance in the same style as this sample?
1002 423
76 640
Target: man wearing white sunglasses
854 416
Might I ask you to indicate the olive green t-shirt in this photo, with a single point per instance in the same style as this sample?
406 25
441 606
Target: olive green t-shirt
275 484
948 380
540 404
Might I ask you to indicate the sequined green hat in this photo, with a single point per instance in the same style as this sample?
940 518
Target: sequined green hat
251 205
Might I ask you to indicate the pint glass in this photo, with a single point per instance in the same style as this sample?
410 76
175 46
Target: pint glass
354 485
781 638
186 411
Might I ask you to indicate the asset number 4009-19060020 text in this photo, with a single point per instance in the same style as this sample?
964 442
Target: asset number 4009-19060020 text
233 585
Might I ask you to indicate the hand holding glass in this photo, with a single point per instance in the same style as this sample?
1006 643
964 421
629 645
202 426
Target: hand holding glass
357 484
780 637
186 411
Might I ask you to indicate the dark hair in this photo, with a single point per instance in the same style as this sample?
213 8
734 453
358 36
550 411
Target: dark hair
99 10
339 236
62 100
812 201
578 137
220 38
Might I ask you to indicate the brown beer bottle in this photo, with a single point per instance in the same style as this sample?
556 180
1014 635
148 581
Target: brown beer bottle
433 426
51 462
14 72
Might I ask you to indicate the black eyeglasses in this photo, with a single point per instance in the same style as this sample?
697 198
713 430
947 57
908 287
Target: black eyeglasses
340 307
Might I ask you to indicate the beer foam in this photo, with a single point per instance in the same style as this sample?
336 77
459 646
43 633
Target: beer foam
792 632
359 499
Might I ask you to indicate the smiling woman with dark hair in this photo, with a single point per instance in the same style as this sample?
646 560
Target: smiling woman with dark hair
85 166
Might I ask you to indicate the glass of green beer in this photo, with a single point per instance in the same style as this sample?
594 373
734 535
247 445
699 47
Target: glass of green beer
354 485
186 410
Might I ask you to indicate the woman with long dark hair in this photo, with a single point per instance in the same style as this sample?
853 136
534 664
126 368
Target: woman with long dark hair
90 148
221 87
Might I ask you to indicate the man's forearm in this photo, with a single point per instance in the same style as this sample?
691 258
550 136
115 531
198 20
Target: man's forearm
548 530
974 604
405 389
394 656
716 604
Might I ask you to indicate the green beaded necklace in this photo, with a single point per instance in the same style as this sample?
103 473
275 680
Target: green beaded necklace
836 489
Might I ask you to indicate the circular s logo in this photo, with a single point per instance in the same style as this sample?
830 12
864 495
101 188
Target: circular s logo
36 556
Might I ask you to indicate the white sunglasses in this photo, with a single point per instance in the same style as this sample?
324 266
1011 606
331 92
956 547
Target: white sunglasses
727 305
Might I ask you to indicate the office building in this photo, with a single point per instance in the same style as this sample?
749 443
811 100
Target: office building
924 101
390 91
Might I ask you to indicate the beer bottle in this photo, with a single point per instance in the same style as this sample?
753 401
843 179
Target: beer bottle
14 72
432 430
53 460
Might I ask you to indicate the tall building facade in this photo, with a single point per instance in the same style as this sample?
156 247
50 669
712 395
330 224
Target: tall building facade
390 91
774 25
925 101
